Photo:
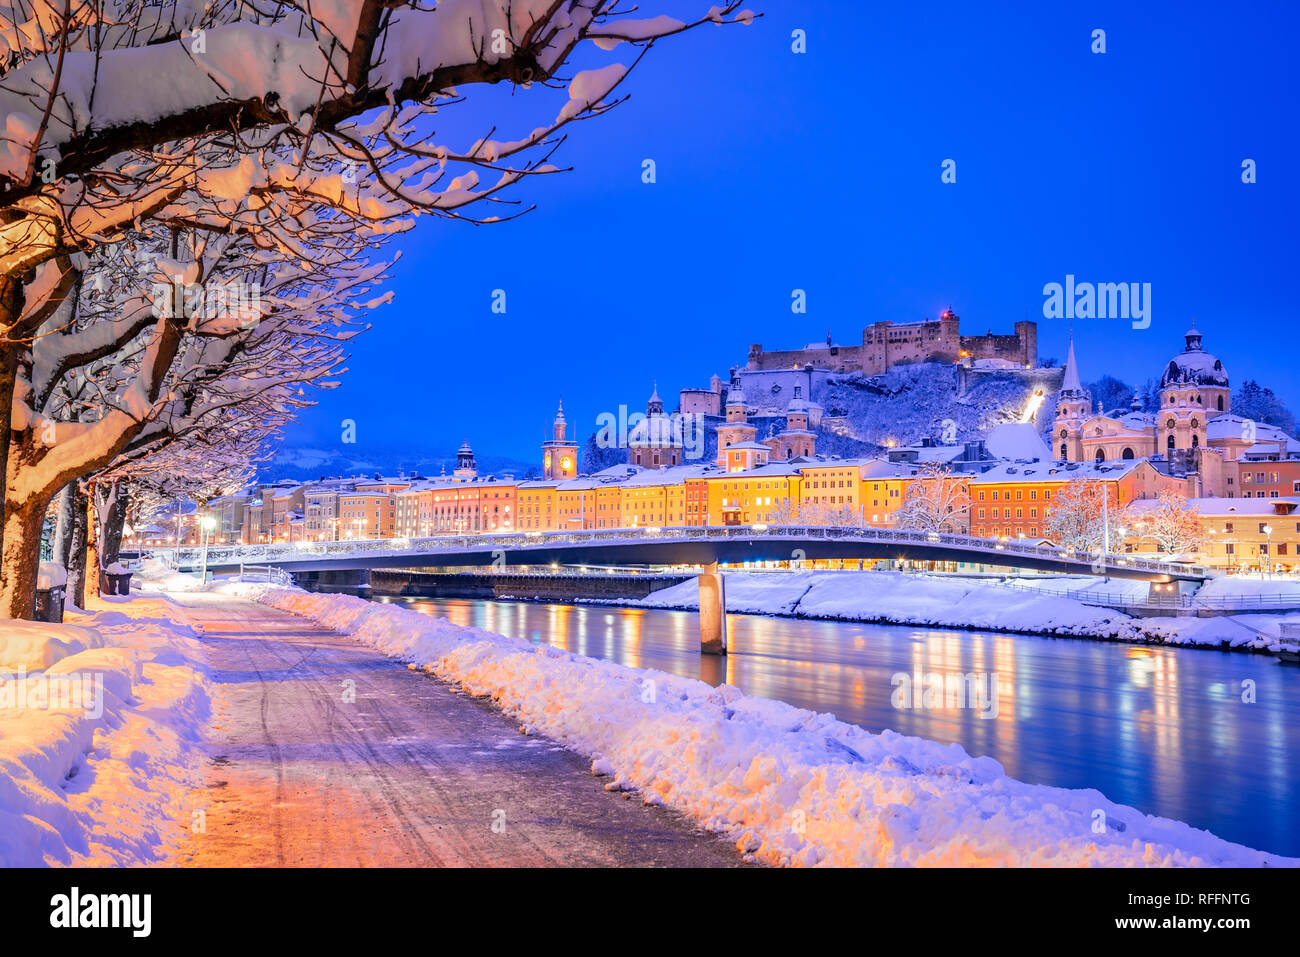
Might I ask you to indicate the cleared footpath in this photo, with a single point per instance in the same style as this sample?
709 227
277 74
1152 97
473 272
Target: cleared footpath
325 753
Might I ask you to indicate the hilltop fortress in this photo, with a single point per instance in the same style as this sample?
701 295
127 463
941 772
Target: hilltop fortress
887 344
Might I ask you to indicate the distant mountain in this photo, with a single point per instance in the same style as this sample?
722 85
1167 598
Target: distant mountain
311 463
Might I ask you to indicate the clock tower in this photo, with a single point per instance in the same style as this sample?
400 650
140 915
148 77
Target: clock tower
559 454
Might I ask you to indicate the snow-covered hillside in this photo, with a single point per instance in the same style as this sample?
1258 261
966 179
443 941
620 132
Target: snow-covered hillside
912 402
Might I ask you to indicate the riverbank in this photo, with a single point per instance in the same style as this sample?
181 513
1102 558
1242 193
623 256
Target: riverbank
948 602
789 786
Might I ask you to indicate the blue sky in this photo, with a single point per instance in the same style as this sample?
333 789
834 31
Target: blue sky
821 171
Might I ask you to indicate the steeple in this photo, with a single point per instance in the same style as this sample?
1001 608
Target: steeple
1073 407
1070 384
559 424
656 405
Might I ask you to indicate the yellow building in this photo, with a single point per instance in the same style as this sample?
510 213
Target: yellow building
759 495
657 498
1237 534
538 506
882 490
831 486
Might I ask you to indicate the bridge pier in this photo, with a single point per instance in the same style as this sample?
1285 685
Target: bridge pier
713 611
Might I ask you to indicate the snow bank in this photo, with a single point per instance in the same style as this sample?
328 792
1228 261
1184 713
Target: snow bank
790 786
34 645
99 727
950 602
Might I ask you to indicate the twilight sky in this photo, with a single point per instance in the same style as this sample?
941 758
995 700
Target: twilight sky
821 171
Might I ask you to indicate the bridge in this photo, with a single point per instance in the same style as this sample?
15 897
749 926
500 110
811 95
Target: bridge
695 545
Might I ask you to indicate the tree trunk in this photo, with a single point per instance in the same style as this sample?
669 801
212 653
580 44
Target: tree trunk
20 556
113 523
77 550
62 543
11 306
94 562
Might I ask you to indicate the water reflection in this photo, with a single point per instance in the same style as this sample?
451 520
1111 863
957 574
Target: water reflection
1163 729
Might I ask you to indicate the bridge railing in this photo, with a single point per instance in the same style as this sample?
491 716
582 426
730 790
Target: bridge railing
524 541
1113 599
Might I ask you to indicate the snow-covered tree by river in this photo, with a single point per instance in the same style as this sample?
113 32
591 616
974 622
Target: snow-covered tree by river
935 500
1174 524
1080 513
292 127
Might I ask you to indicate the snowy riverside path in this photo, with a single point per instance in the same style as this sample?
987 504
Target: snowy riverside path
408 775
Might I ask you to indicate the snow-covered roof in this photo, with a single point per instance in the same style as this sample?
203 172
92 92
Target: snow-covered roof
771 469
880 469
1016 441
1267 450
676 475
1056 471
1227 506
1229 426
937 454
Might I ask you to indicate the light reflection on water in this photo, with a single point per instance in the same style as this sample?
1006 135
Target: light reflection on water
1162 729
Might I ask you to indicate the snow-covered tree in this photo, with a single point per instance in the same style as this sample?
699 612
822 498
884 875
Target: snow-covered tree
1174 524
123 368
1079 514
935 500
290 126
790 512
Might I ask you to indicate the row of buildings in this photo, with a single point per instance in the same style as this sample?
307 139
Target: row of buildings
1243 477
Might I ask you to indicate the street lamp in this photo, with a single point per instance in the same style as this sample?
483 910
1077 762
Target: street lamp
208 523
1268 530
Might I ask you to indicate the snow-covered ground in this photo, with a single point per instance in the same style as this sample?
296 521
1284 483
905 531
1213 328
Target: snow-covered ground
1032 607
789 786
100 721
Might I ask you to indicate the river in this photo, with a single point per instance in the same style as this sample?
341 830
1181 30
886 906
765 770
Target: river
1165 730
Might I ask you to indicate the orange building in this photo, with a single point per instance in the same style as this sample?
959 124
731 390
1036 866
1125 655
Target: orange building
365 515
1014 500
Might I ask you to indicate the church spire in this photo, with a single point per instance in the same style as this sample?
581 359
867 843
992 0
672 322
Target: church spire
1070 382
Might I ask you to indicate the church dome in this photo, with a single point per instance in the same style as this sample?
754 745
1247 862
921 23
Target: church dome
1194 366
654 432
